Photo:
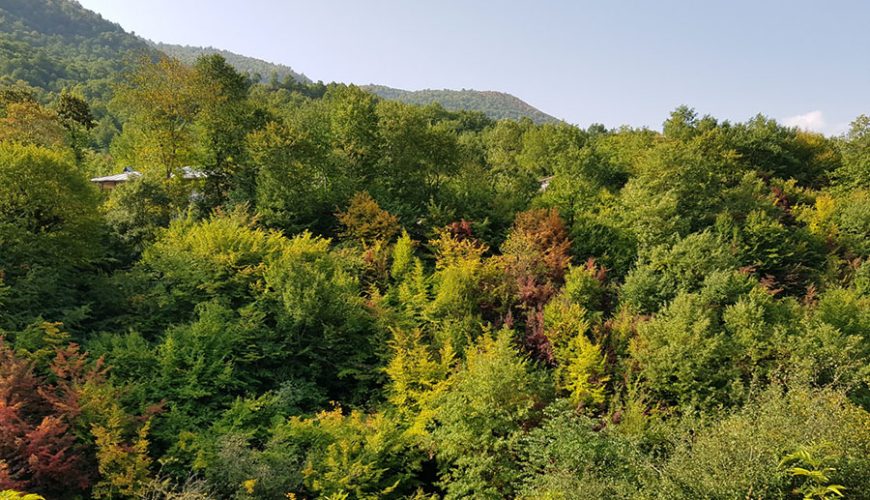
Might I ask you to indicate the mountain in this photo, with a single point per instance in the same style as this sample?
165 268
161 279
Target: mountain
53 43
244 64
496 105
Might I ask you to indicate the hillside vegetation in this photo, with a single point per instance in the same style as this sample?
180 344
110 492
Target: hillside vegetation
496 105
368 299
55 43
371 299
256 68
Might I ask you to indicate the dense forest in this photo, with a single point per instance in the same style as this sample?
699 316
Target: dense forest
365 298
52 44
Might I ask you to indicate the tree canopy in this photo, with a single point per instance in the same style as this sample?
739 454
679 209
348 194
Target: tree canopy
362 298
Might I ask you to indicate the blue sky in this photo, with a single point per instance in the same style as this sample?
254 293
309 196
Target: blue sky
613 62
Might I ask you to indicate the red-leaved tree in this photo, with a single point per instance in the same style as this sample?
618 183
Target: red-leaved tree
534 259
38 448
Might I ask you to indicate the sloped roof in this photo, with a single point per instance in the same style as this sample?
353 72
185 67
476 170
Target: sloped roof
192 173
545 182
124 176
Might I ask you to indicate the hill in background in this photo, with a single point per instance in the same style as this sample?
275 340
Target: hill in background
496 105
52 44
244 64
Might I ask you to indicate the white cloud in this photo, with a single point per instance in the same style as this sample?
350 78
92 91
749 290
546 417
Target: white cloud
814 121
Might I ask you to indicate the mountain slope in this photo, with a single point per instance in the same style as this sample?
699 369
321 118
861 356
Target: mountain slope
52 43
496 105
243 64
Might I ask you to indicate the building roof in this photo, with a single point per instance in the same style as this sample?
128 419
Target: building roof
545 182
188 173
124 176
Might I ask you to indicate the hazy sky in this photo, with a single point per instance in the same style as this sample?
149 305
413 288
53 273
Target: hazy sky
614 62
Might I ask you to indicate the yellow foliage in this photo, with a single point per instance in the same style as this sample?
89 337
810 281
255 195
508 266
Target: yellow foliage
123 467
451 251
31 123
416 376
366 221
17 495
820 220
352 456
583 371
580 368
249 486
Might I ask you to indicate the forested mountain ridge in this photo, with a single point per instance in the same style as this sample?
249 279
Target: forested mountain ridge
52 44
496 105
244 64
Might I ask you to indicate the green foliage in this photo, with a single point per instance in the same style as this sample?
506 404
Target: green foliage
49 235
584 285
709 347
225 118
137 211
51 43
678 187
852 174
353 124
160 102
815 476
297 185
416 157
495 105
834 348
682 355
314 296
667 270
312 318
742 452
202 366
250 67
481 415
789 255
566 458
778 151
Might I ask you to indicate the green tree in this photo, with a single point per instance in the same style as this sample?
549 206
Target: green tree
137 211
225 118
75 115
353 123
479 419
298 186
415 155
160 102
743 451
852 173
49 235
